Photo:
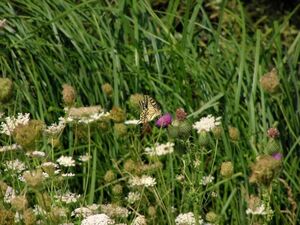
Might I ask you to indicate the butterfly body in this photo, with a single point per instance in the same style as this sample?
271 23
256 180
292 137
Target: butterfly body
149 109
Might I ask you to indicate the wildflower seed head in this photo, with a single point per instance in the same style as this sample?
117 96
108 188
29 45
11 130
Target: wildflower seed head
272 147
57 214
226 169
114 210
120 129
3 188
27 135
110 176
6 89
270 82
117 189
149 168
49 168
130 166
29 217
19 203
107 89
69 95
7 217
234 133
264 170
33 178
134 101
273 132
211 217
151 211
117 115
180 114
217 131
103 126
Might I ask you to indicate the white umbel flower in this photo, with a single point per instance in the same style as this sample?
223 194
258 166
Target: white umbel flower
160 149
187 219
98 219
11 123
260 210
15 165
139 220
207 180
12 147
66 161
145 181
56 128
133 197
207 123
68 197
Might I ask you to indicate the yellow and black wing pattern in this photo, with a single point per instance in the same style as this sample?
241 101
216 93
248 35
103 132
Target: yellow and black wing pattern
149 109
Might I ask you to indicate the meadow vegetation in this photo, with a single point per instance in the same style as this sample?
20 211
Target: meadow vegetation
73 150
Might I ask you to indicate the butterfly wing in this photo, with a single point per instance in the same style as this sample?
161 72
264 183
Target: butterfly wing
149 109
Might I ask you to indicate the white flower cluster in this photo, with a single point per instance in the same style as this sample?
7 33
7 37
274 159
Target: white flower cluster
67 198
66 161
160 149
11 123
207 180
56 128
36 154
260 210
9 194
144 181
207 123
133 197
15 165
139 220
187 219
12 147
88 119
98 219
85 158
85 211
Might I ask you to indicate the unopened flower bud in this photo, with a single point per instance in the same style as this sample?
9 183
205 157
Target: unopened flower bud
109 176
226 169
107 89
270 82
69 95
6 89
234 133
117 114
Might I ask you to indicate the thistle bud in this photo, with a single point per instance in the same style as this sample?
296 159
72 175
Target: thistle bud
120 129
270 82
272 147
226 169
109 176
117 189
69 95
117 114
234 133
129 166
107 89
211 217
203 138
180 114
273 132
6 89
134 101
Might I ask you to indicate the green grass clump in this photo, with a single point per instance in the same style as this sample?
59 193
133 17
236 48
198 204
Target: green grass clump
80 68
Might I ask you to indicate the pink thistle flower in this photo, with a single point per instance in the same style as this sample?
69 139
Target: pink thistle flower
164 120
277 156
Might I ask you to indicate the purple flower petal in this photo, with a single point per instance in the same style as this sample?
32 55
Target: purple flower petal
277 156
164 120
